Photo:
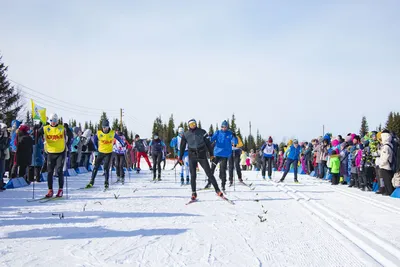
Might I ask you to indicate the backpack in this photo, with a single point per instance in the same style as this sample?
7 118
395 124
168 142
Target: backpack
393 161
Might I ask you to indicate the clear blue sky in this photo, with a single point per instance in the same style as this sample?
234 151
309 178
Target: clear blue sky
288 67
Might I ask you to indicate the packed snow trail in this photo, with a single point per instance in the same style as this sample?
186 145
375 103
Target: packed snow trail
143 223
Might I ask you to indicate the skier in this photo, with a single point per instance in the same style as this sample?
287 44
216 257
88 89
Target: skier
198 145
55 145
119 155
103 142
222 151
156 150
176 144
4 152
234 159
13 148
76 142
140 145
268 150
293 157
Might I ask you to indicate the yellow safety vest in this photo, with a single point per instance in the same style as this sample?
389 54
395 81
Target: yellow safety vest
106 141
55 139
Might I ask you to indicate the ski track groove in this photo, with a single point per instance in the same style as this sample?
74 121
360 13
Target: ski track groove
316 209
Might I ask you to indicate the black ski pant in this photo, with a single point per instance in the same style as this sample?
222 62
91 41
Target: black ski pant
387 180
198 156
234 162
157 158
287 169
106 157
119 164
74 160
266 161
354 180
335 178
55 161
222 169
34 173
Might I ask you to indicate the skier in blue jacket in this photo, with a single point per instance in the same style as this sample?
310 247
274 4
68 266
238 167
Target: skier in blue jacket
176 144
292 158
223 139
268 150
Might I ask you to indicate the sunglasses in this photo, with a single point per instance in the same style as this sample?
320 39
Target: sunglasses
192 124
223 127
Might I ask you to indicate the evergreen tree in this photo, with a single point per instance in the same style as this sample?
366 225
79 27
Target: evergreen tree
86 125
185 126
364 127
211 129
199 124
60 120
80 126
115 124
130 137
233 123
246 144
170 131
216 127
259 140
158 126
91 127
393 123
10 98
251 143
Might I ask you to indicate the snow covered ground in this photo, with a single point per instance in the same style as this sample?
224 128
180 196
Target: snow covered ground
143 223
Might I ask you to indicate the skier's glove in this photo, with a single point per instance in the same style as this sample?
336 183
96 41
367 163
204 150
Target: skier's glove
180 162
212 159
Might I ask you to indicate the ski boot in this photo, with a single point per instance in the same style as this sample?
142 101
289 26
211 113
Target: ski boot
194 196
208 186
187 180
182 181
50 193
296 181
123 180
137 170
230 183
159 178
269 177
220 194
281 180
59 193
240 180
154 178
151 169
106 186
263 177
118 180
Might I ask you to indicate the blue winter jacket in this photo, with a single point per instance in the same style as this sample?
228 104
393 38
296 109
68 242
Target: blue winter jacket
75 143
223 143
294 153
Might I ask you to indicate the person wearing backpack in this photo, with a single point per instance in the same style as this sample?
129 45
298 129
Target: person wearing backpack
387 162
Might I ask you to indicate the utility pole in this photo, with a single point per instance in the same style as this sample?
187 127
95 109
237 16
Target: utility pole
250 126
120 119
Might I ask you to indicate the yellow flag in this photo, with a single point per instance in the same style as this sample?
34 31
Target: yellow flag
38 112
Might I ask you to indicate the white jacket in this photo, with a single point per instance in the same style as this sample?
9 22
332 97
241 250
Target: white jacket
386 152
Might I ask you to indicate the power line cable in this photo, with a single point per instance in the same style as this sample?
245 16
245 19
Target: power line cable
98 109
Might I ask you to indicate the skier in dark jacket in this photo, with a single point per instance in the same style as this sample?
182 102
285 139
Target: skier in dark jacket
198 146
141 146
24 151
156 150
